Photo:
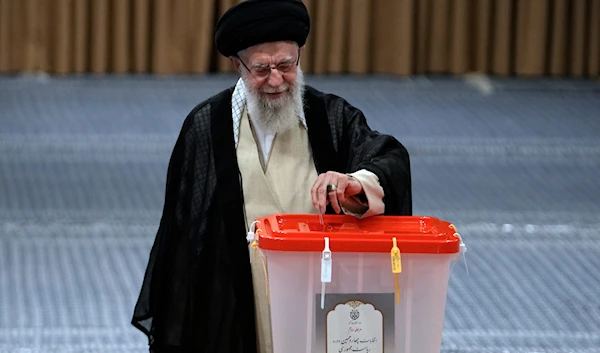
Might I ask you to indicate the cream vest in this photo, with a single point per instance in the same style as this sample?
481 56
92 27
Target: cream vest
283 184
280 184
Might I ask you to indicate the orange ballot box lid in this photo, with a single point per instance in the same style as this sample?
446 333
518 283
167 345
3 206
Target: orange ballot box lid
304 232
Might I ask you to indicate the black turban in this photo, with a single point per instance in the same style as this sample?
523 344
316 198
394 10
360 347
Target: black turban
253 22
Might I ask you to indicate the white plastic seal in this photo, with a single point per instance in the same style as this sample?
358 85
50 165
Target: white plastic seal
326 265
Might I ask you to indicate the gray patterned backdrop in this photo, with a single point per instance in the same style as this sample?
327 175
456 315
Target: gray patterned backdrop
514 164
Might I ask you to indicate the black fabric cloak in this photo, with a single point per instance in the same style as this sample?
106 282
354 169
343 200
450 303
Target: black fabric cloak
197 291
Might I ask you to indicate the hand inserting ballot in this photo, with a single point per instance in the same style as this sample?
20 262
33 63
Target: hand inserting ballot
334 188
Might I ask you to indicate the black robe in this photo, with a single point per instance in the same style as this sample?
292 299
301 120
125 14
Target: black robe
197 291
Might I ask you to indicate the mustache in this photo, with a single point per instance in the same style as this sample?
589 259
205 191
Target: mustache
280 89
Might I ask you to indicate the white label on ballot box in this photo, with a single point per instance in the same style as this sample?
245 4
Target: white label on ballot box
354 327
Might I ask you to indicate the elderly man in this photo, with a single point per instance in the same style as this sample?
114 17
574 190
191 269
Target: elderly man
269 144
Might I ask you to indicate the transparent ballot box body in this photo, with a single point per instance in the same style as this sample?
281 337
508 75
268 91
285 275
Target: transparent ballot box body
353 299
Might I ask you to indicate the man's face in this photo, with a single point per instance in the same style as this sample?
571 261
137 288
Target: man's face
274 85
270 69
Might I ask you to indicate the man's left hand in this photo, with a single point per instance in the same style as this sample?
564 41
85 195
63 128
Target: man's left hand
341 186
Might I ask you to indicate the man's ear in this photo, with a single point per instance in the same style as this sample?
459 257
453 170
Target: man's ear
236 63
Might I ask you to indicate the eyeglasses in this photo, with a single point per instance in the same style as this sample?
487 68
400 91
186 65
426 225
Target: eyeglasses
263 70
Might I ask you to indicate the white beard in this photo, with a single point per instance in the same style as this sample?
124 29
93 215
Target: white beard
276 115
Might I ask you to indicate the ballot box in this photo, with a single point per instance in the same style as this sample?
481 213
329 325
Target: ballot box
356 285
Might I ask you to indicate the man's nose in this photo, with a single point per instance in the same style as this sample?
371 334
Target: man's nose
275 78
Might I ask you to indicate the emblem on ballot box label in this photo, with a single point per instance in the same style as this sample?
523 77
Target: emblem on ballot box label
354 326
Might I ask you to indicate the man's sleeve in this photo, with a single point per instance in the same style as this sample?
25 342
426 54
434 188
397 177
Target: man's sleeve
385 157
370 203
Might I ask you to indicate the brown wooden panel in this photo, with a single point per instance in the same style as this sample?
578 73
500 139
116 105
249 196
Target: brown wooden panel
160 37
23 35
121 21
578 37
41 35
80 36
321 26
523 17
503 30
439 36
385 38
594 39
522 26
202 35
306 62
529 38
179 52
402 56
536 63
359 36
422 36
558 38
338 35
532 37
62 41
45 31
5 24
99 36
393 36
141 35
24 46
483 35
223 63
461 43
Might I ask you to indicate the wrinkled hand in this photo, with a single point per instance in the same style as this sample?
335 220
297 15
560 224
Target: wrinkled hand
345 186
